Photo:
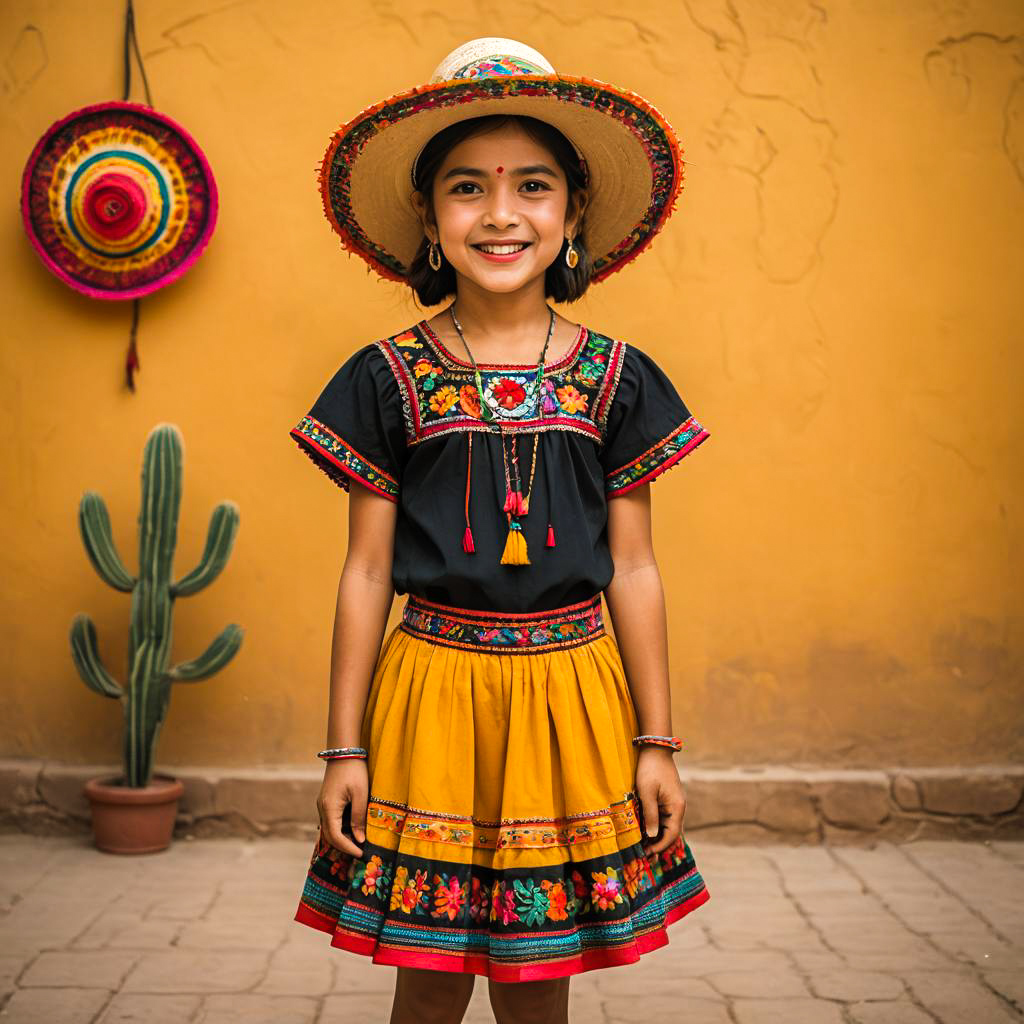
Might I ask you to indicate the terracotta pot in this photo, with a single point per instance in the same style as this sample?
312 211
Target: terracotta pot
132 820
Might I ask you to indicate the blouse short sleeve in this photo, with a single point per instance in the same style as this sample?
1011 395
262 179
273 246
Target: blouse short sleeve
649 427
355 429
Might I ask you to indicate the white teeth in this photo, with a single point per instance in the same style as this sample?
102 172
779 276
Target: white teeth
501 250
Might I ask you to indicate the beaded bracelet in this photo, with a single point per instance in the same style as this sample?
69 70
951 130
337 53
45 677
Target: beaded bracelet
674 742
337 753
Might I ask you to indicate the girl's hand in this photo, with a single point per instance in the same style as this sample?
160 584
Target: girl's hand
661 797
345 783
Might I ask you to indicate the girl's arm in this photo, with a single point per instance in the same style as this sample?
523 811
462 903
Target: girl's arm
365 595
636 601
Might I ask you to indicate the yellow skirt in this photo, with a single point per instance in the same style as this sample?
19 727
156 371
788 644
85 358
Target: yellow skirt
503 831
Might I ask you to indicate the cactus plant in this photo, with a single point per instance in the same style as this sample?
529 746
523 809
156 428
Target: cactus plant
146 697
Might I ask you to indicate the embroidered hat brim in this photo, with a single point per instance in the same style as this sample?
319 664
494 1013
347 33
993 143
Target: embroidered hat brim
633 158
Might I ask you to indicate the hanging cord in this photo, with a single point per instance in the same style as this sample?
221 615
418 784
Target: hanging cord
467 537
131 41
533 466
132 362
519 498
550 542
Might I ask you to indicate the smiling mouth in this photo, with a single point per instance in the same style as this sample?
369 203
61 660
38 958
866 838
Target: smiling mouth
501 250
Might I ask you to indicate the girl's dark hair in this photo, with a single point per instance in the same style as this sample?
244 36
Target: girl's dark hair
562 283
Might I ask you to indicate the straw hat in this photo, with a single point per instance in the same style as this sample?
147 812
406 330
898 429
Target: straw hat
631 153
118 200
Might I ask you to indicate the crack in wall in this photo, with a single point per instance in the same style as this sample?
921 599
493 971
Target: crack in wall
169 33
731 38
27 59
952 56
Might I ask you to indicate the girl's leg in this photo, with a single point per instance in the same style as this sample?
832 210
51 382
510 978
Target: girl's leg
530 1002
430 997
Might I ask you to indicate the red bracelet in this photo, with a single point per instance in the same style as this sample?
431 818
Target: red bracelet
673 742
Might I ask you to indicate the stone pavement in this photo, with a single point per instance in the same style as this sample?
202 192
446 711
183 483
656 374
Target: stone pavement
202 933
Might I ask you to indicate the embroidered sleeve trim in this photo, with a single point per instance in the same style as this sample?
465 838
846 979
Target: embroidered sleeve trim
658 458
339 460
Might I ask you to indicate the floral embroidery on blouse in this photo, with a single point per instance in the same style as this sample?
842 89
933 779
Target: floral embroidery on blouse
439 392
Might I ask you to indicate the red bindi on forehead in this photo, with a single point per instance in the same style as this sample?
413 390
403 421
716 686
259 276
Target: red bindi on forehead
500 169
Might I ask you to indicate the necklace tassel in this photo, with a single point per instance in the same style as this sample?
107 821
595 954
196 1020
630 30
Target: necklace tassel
550 543
515 552
467 538
516 503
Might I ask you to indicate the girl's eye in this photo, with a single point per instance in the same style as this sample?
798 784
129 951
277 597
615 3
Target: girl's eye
544 187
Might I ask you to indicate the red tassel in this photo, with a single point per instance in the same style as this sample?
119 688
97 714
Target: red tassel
551 537
467 537
509 500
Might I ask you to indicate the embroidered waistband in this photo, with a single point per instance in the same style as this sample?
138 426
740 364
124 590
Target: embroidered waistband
504 632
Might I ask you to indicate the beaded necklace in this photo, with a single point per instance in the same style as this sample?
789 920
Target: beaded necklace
516 503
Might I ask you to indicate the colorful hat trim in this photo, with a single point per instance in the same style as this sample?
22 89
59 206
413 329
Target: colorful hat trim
501 78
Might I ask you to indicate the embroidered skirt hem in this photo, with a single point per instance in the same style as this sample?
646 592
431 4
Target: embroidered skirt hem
503 832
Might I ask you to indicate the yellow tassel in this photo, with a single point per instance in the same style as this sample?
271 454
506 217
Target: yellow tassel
515 549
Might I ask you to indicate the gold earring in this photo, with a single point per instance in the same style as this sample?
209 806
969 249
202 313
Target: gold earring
434 254
572 257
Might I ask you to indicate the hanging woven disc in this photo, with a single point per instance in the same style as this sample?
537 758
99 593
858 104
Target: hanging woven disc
118 200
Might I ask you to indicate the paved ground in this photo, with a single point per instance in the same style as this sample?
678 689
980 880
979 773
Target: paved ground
923 932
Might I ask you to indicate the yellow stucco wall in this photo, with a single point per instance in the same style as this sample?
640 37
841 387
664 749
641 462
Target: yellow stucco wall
837 297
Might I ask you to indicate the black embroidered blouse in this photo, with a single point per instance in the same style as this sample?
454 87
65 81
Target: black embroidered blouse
399 417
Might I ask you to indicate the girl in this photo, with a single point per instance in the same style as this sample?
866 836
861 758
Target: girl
498 800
